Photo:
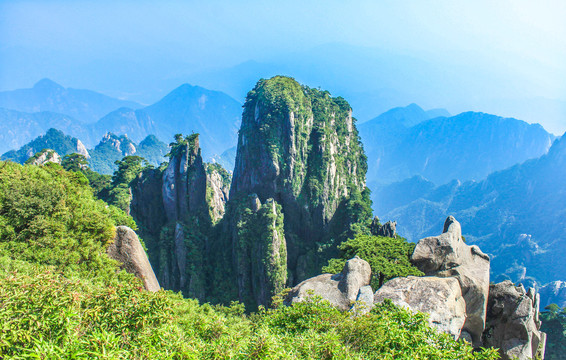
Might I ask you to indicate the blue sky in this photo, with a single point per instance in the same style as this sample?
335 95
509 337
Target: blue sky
505 57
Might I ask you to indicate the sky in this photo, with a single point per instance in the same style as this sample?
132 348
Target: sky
506 57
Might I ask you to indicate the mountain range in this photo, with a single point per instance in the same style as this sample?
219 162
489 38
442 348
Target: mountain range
405 142
100 159
517 215
87 115
46 95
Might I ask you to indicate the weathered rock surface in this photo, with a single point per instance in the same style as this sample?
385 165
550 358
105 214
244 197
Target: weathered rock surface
447 255
128 250
341 290
513 322
218 187
46 156
388 229
441 298
300 147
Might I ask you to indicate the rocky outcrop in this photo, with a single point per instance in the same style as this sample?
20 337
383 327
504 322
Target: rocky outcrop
341 290
299 171
388 229
300 147
447 255
218 190
81 149
44 157
441 298
120 143
513 322
184 182
128 250
176 208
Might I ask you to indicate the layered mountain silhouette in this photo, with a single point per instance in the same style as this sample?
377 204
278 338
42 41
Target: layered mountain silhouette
28 113
46 95
187 109
104 155
517 215
405 142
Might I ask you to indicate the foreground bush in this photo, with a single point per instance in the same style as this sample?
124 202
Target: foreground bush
50 216
61 297
45 315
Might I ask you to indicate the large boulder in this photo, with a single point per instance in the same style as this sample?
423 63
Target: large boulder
513 322
341 290
447 255
440 298
128 250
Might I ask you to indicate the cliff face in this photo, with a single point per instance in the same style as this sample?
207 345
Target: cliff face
298 148
176 213
298 190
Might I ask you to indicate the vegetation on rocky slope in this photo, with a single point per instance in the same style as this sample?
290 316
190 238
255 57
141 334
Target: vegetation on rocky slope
388 257
61 297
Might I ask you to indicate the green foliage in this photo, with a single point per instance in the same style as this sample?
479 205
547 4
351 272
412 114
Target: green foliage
388 257
181 143
49 216
36 156
61 297
554 325
53 139
99 183
45 315
128 169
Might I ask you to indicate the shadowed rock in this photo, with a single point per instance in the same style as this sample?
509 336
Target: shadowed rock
128 250
513 322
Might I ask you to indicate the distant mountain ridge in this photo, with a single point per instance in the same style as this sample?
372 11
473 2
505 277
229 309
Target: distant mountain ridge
46 95
186 109
517 215
101 159
405 142
54 140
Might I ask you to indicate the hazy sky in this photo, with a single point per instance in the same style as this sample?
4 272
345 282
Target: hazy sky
512 49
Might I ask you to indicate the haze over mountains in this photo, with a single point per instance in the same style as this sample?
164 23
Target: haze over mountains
408 141
517 215
186 109
46 95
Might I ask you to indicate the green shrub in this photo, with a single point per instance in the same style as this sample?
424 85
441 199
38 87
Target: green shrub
388 257
49 216
48 316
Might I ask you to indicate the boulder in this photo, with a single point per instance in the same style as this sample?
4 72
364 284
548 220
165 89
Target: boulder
341 290
128 250
440 298
447 255
512 322
364 300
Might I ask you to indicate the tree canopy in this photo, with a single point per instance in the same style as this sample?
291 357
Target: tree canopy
388 257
